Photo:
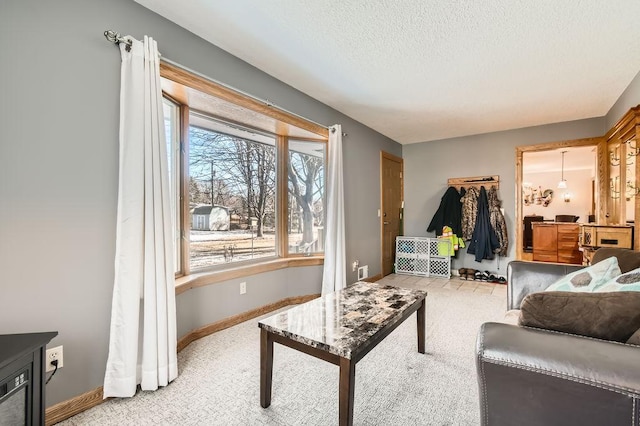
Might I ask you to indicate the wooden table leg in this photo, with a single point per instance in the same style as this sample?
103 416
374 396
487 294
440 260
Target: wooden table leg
347 385
420 314
266 367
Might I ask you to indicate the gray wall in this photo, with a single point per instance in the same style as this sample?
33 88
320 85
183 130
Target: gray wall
208 304
629 99
428 165
59 81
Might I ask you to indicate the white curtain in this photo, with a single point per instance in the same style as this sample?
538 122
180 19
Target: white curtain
143 344
334 274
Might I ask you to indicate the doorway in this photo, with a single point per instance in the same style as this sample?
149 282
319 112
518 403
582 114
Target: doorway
526 189
392 194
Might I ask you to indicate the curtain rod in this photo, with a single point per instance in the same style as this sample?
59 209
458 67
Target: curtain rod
117 38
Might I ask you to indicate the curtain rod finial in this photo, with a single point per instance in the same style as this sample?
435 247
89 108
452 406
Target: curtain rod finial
112 36
117 38
333 130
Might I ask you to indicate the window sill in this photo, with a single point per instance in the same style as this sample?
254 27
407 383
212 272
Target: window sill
206 278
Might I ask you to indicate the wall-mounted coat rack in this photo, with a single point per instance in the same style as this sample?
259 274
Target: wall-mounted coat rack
477 181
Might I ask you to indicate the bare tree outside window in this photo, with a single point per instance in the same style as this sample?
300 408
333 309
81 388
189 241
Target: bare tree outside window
306 196
247 183
232 180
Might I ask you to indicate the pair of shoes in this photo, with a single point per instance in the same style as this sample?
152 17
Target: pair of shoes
471 274
482 276
467 273
496 279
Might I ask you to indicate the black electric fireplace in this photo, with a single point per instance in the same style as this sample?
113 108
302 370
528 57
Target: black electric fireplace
22 378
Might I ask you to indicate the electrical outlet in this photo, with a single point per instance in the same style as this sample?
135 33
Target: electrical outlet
243 287
363 272
355 265
51 354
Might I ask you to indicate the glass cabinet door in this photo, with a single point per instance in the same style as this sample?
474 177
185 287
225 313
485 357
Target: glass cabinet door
631 186
615 159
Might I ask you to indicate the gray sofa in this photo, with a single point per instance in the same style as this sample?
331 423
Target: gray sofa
529 376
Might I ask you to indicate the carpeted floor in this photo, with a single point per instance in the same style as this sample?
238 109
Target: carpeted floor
395 385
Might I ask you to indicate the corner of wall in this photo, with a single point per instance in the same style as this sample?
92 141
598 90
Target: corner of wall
629 98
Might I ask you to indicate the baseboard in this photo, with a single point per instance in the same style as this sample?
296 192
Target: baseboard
373 279
71 407
240 318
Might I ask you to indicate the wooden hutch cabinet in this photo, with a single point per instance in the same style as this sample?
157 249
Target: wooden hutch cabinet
622 201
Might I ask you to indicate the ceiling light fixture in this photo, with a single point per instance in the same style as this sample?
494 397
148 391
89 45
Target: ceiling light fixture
563 182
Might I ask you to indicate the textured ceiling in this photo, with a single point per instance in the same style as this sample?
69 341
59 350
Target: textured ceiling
421 70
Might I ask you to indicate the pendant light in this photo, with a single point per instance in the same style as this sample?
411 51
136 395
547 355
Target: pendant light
563 182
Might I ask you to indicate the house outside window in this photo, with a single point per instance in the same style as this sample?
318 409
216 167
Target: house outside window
232 193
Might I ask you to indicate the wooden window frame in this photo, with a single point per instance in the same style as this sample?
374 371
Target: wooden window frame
185 278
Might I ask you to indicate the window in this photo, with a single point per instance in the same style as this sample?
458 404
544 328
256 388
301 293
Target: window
172 136
248 179
232 193
305 204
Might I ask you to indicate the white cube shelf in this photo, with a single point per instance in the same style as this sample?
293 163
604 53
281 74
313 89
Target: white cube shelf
423 256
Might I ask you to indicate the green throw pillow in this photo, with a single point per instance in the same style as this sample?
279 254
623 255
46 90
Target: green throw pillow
629 281
590 278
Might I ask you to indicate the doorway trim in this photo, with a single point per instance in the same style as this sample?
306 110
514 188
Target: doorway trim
400 160
601 199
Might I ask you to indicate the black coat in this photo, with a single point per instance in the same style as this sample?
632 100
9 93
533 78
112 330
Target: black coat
484 241
448 214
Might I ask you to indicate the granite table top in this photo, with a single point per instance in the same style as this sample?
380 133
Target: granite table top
341 322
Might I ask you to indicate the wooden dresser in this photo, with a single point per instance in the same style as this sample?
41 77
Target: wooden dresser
556 242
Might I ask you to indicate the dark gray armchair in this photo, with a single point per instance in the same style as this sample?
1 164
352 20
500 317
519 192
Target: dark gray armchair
530 376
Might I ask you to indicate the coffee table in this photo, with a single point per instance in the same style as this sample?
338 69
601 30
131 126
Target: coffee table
340 328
